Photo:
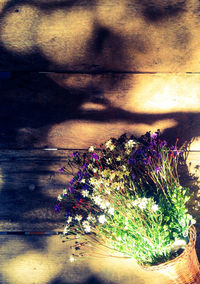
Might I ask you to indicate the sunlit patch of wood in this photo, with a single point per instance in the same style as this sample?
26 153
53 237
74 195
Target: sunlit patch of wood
62 35
20 264
82 134
163 93
92 106
121 270
18 28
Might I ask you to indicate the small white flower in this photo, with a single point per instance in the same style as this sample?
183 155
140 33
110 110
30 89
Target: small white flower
66 230
123 168
94 170
59 197
102 219
135 203
154 208
104 204
111 211
69 219
97 199
71 259
78 217
109 161
110 145
91 218
91 149
83 180
85 193
65 191
86 226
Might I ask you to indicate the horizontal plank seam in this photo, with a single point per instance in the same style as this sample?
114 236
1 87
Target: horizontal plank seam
47 233
62 149
113 72
28 233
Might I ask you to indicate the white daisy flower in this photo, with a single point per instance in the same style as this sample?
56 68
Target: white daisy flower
91 218
78 217
102 219
110 145
86 226
66 230
111 210
69 219
59 197
85 193
154 208
91 149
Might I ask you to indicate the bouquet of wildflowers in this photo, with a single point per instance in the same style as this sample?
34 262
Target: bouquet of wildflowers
126 196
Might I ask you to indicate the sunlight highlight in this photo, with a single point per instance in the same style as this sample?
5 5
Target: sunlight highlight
84 133
165 93
17 28
31 267
62 35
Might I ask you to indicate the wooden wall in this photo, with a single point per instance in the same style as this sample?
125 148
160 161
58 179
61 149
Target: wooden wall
81 72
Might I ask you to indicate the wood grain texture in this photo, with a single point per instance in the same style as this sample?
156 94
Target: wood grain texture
101 35
76 111
42 260
31 182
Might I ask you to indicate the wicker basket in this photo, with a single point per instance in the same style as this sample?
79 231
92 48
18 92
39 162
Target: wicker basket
184 269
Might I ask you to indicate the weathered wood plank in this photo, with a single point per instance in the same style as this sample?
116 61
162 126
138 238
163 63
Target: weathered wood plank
31 182
29 260
105 35
76 111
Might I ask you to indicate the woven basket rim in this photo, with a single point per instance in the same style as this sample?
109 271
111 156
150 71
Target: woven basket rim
187 250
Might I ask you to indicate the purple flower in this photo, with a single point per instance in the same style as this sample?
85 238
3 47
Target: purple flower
157 169
71 181
57 208
95 156
154 135
75 154
61 170
71 189
163 143
133 176
131 161
84 166
147 161
157 155
67 214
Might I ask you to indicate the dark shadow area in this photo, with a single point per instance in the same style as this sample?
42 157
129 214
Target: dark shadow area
92 280
155 14
10 61
105 51
30 105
